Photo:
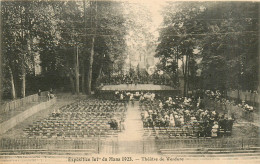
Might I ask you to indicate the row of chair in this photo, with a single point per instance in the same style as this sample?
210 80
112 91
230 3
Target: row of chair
68 121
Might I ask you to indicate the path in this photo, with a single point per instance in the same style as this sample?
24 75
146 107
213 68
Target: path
130 141
133 124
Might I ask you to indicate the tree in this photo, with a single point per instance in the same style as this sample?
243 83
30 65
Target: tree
109 44
18 50
78 24
175 42
228 43
220 34
140 37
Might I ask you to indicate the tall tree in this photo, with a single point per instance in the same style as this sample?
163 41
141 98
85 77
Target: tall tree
216 33
18 50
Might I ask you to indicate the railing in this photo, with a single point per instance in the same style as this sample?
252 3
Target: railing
208 143
25 144
23 101
114 146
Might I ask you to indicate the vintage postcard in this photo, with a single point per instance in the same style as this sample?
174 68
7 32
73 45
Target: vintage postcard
129 81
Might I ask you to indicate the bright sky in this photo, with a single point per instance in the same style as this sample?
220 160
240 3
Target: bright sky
155 7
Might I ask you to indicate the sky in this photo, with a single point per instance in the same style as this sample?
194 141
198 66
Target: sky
155 7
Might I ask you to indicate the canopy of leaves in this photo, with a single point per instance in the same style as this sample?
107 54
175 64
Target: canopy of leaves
55 29
225 36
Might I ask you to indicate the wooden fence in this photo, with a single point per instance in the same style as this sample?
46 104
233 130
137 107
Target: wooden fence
23 101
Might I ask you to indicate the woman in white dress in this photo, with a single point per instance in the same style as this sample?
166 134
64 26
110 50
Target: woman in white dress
214 131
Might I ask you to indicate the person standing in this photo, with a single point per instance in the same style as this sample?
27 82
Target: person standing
215 128
39 92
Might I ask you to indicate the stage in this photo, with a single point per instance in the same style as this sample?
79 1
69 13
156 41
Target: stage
108 91
138 87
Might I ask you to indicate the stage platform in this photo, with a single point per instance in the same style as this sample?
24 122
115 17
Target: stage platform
108 91
138 87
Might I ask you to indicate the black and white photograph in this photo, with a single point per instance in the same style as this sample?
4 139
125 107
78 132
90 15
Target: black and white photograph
129 81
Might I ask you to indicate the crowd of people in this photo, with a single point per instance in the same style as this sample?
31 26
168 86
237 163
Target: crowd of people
131 96
218 97
185 114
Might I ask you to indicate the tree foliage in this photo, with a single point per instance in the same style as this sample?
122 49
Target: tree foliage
60 32
218 38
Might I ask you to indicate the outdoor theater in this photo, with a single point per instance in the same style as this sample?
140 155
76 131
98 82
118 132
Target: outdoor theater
129 81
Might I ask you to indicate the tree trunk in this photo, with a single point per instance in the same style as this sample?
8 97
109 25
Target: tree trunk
12 84
187 74
84 50
89 71
1 66
23 83
184 89
184 75
23 66
97 76
83 77
77 70
100 70
72 84
183 66
177 69
91 58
